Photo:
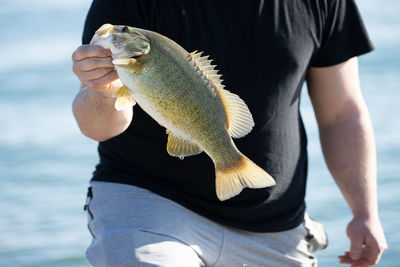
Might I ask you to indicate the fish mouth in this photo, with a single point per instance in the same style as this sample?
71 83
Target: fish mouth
133 60
136 55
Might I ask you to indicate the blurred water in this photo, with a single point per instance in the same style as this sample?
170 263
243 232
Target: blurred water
45 163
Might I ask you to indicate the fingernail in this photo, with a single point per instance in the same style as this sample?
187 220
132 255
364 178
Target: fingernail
355 256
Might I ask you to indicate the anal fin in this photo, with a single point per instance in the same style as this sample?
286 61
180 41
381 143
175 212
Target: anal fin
179 147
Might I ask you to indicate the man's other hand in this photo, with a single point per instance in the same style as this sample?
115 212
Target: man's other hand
367 242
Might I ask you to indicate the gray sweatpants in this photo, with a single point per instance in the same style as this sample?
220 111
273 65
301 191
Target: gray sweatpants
132 226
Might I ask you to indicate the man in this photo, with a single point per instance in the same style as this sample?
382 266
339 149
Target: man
149 209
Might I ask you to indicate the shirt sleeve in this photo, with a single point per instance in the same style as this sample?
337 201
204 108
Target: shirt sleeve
344 35
136 13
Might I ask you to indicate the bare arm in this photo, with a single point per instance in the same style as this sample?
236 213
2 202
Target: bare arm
93 106
349 148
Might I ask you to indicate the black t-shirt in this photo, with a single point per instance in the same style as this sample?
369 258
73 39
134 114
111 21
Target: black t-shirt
263 49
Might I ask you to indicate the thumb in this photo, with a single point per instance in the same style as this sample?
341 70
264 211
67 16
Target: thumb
356 245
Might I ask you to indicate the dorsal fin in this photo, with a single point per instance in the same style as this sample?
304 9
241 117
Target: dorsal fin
204 65
239 117
240 120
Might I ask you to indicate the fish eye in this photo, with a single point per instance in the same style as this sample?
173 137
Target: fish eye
124 29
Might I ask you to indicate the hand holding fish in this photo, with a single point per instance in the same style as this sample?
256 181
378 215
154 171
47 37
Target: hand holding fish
93 106
92 65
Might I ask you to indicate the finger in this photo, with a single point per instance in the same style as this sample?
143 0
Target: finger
344 256
94 74
346 253
348 260
102 84
362 264
86 51
93 63
363 261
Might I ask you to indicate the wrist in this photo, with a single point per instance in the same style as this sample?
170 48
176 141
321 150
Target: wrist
365 214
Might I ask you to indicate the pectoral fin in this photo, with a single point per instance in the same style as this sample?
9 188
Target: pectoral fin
125 98
179 147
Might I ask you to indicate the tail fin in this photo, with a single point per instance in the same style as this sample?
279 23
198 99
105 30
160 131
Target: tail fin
231 181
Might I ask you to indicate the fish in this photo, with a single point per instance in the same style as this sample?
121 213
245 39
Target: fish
183 92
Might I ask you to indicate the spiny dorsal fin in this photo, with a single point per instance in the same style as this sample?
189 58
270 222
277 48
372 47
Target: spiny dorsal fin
204 64
179 147
240 120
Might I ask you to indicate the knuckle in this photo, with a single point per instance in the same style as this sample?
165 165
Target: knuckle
73 56
75 69
382 248
77 53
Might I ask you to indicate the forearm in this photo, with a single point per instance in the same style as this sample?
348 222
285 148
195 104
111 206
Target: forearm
349 148
97 117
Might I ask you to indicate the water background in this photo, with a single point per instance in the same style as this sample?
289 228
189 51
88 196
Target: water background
45 163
